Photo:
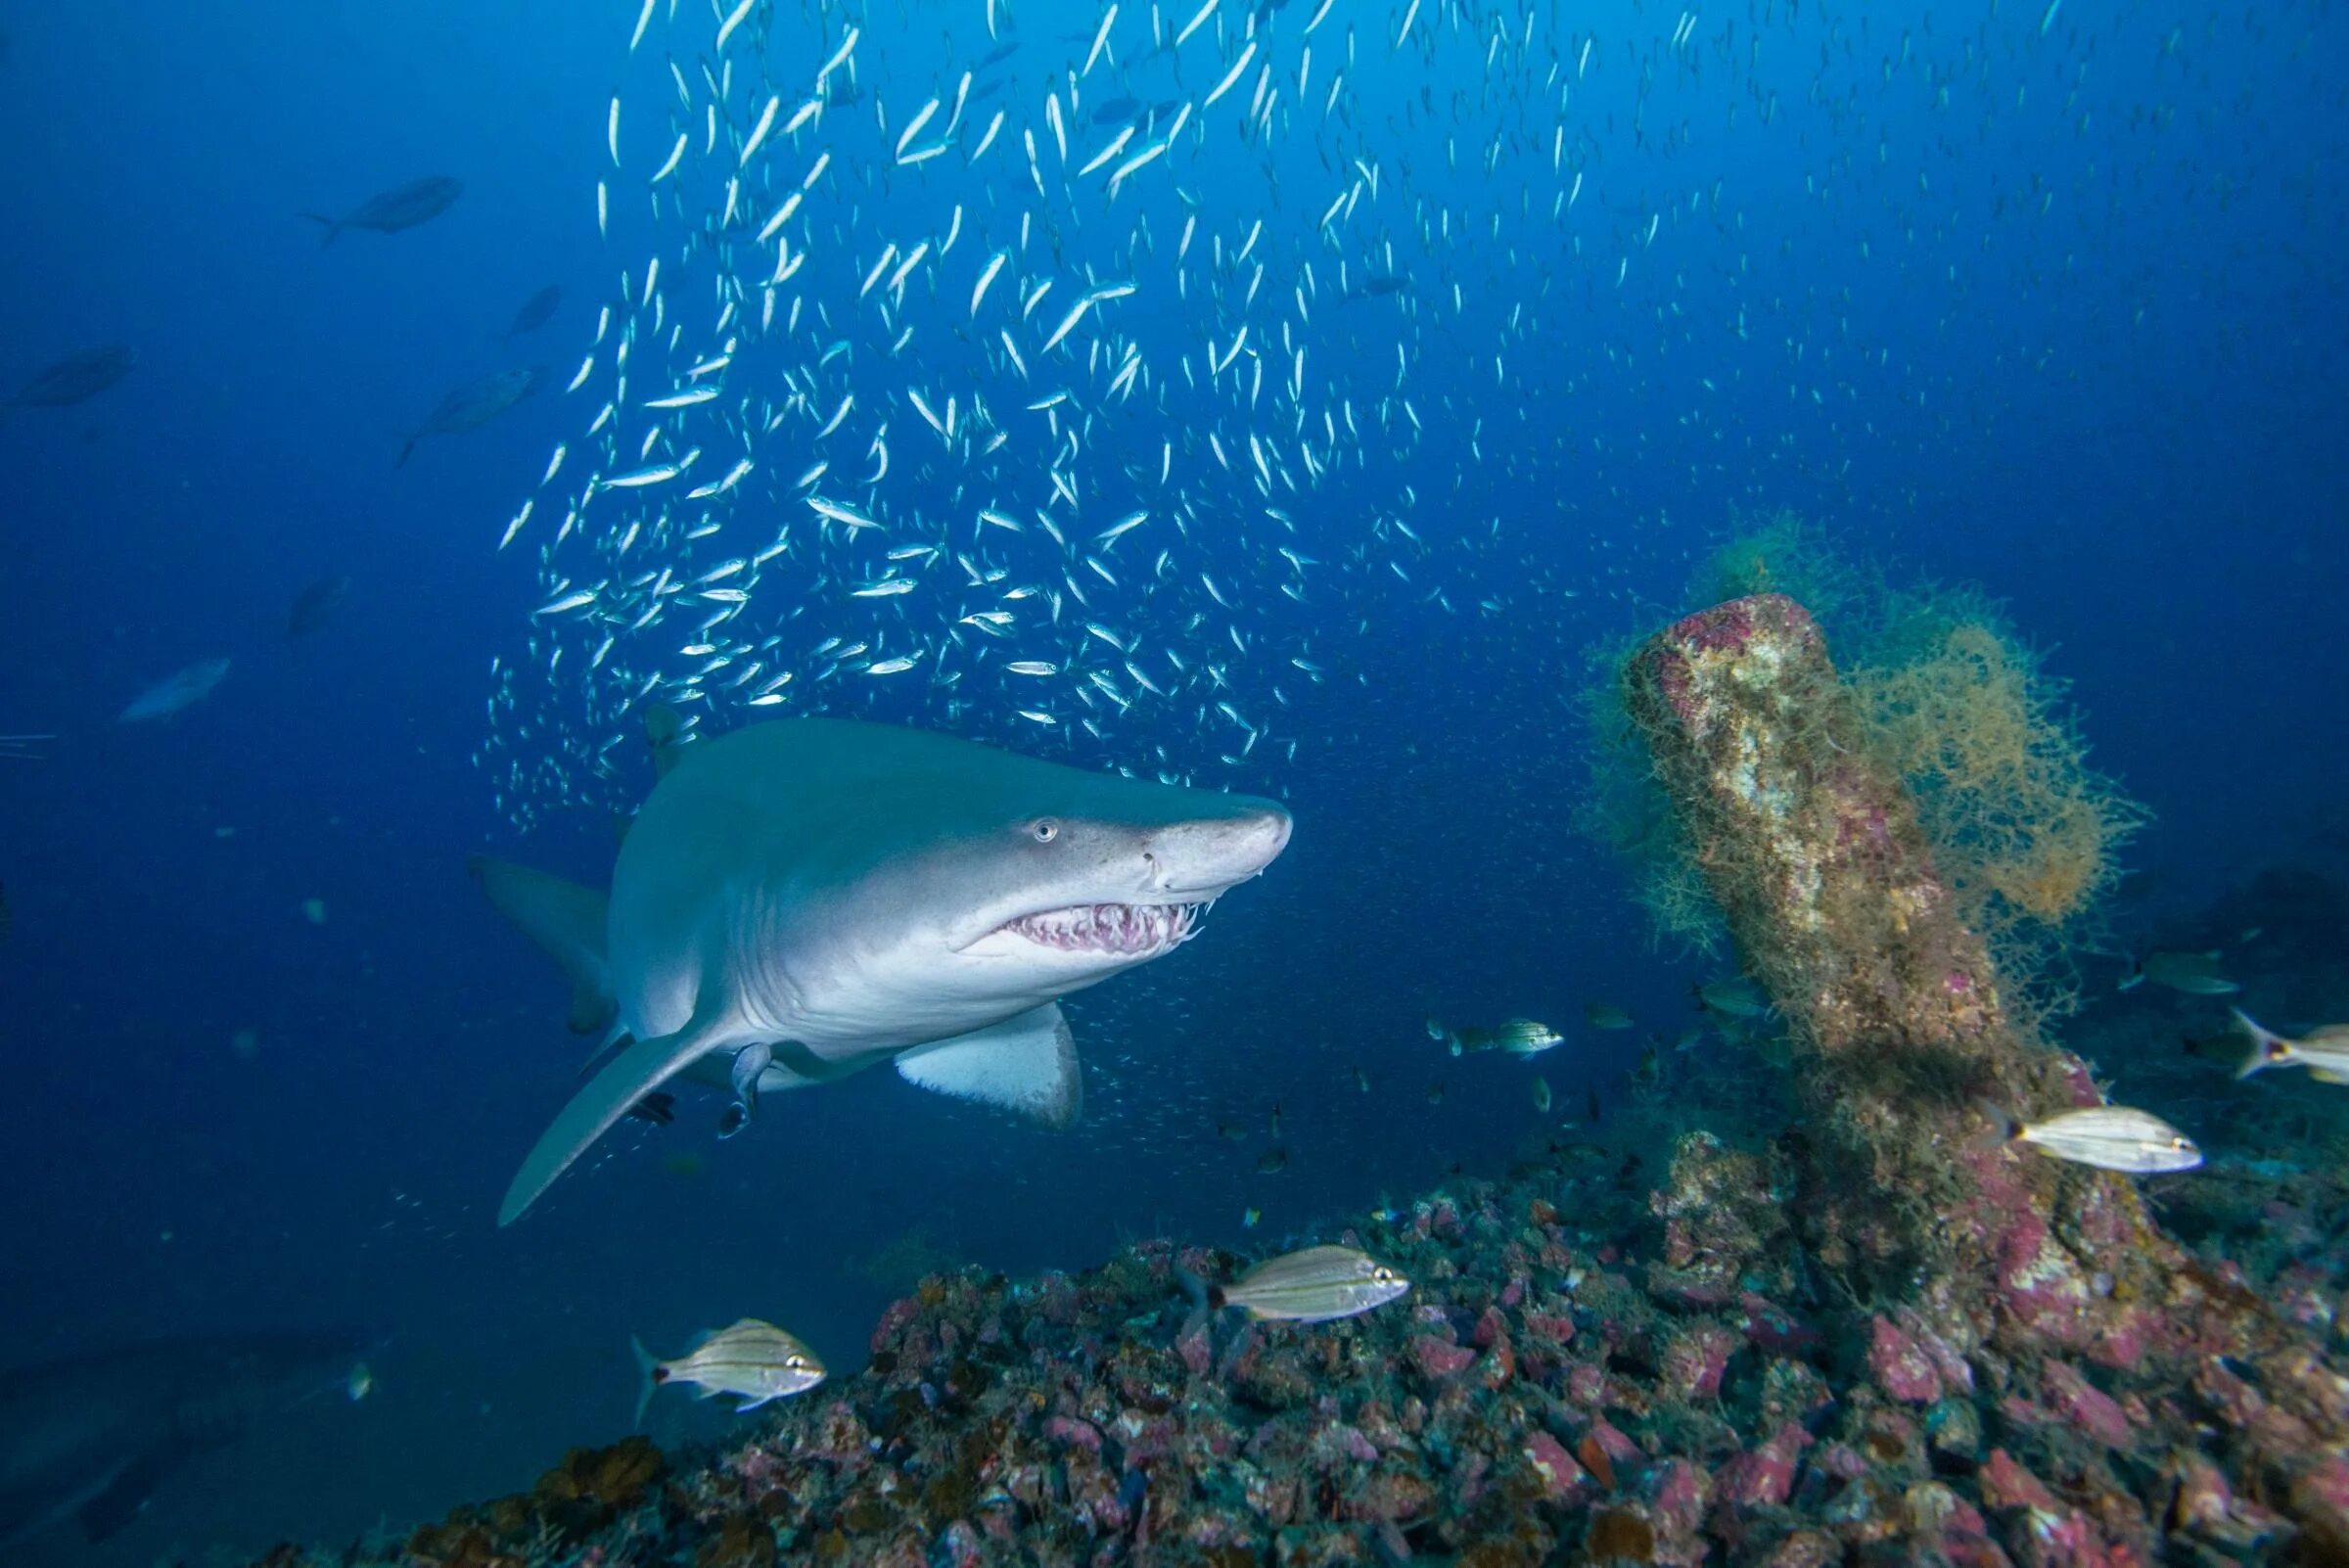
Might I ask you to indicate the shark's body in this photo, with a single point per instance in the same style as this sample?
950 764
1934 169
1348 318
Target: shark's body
89 1438
805 897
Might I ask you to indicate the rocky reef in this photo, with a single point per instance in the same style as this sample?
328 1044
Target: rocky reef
1580 1373
1873 1336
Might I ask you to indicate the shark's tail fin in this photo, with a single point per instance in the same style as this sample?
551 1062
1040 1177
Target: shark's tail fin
648 1379
563 918
334 226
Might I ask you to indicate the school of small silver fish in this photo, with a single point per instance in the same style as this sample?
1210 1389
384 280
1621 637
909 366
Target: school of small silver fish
1088 385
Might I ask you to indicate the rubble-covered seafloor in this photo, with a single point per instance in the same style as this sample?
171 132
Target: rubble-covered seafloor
1583 1370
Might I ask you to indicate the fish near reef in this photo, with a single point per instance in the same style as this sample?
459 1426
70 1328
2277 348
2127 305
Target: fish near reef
2194 973
807 897
1316 1285
2109 1138
2323 1051
752 1359
1519 1036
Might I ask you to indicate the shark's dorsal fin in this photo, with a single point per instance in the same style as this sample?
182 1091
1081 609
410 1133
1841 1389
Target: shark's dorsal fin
1026 1063
563 918
667 735
633 1073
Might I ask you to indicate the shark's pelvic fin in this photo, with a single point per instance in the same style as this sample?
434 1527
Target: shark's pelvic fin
563 918
633 1073
1025 1063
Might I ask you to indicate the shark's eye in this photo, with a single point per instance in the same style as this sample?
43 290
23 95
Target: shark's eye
1045 829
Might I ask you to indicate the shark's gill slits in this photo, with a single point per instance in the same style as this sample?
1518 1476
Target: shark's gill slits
1122 928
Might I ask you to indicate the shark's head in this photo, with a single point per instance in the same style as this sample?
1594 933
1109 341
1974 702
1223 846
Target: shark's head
1107 883
1049 880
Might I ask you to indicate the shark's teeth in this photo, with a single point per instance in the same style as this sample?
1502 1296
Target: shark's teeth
1114 928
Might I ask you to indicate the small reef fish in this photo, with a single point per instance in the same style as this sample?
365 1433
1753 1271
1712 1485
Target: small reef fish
403 206
1318 1285
173 692
2194 973
2323 1051
1735 998
2110 1138
752 1359
1519 1036
1605 1015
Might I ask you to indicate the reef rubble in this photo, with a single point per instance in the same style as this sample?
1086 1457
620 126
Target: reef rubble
1871 1337
1553 1390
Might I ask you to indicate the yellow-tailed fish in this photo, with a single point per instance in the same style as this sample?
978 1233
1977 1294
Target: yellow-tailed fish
2323 1051
2110 1138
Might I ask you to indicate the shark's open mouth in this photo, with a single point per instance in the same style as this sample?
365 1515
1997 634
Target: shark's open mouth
1119 928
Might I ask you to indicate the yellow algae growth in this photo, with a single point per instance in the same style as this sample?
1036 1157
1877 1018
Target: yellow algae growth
2023 831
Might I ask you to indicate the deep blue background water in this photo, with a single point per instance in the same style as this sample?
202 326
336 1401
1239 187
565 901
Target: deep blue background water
2123 414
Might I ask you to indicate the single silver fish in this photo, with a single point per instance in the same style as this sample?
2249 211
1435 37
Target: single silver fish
475 404
2194 973
2110 1138
173 692
1733 997
75 378
1605 1015
2323 1051
1316 1285
1519 1036
403 206
752 1359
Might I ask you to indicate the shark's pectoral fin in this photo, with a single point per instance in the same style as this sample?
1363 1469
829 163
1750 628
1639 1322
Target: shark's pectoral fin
607 1097
1025 1063
563 918
124 1498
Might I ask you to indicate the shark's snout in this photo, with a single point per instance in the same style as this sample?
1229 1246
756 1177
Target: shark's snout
1198 859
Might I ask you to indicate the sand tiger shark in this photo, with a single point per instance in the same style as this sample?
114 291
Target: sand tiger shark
89 1438
805 897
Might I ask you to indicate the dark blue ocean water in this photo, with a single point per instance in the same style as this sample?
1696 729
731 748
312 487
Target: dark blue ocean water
2057 311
